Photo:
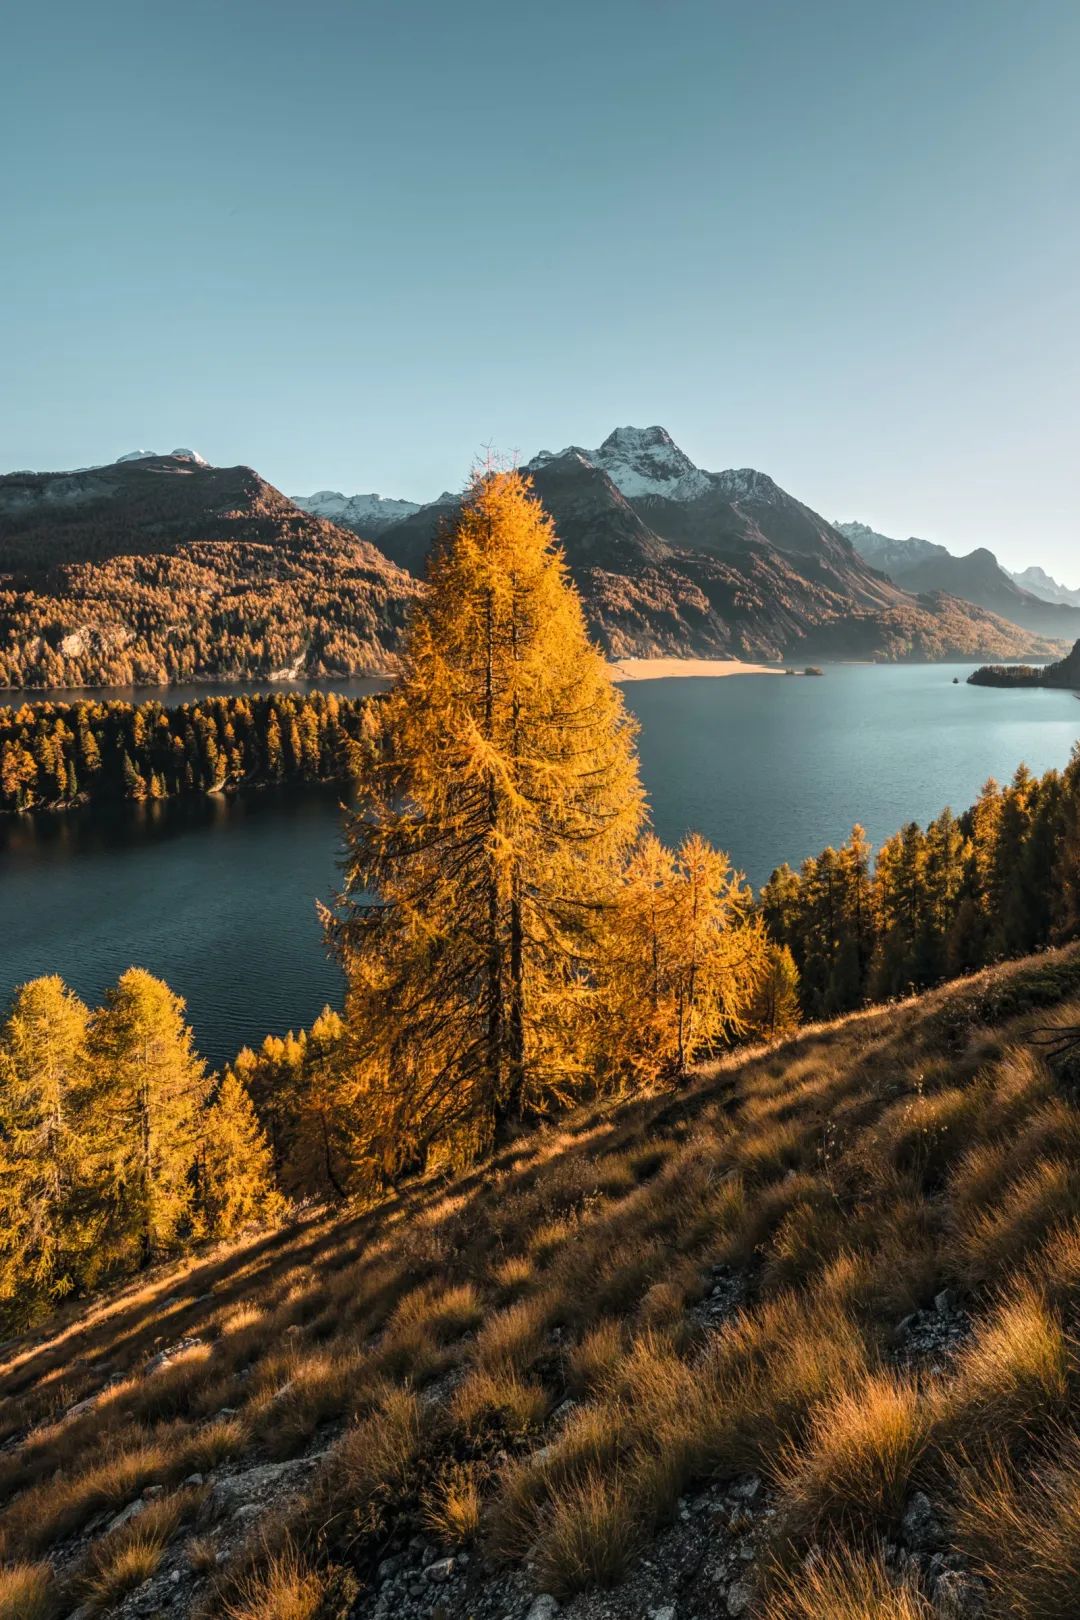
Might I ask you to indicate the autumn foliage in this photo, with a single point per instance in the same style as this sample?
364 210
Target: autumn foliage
490 930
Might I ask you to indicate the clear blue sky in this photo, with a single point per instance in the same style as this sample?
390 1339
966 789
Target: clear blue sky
351 243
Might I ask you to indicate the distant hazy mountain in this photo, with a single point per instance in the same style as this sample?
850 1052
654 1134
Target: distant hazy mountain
162 568
368 515
1038 582
978 577
673 559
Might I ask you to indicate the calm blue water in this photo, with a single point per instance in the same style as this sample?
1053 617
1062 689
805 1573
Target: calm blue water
218 896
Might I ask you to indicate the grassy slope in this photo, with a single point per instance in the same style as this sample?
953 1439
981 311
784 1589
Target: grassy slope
735 1282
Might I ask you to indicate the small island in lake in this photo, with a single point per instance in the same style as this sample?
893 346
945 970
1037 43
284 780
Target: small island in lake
1065 673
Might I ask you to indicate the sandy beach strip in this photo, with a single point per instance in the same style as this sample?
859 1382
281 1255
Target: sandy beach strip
656 669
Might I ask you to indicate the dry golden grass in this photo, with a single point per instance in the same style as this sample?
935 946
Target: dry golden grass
595 1359
846 1177
119 1572
201 1553
855 1469
285 1589
845 1586
590 1535
500 1396
123 1559
1022 1530
1012 1378
28 1592
452 1505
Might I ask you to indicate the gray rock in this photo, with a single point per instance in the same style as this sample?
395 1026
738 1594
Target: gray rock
746 1489
126 1515
666 1613
544 1607
738 1598
440 1570
163 1357
943 1301
922 1530
83 1406
958 1596
255 1485
194 1479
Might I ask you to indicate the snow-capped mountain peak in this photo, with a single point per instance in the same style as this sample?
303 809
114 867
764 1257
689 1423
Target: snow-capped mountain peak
647 461
155 455
355 511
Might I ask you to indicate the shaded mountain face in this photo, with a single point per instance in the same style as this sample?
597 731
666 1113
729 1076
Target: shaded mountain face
919 565
162 568
671 559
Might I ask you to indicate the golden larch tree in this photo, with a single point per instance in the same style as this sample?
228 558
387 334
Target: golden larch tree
235 1167
151 1086
487 838
685 953
43 1168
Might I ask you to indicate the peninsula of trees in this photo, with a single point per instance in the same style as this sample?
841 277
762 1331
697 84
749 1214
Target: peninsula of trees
1064 674
54 755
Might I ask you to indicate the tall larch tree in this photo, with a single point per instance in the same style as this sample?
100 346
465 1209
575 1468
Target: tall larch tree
235 1167
487 839
684 955
152 1086
43 1099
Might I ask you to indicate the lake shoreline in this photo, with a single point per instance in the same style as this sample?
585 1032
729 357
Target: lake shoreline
662 669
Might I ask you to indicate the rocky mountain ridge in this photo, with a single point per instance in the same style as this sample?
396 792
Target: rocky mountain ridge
162 568
922 565
674 560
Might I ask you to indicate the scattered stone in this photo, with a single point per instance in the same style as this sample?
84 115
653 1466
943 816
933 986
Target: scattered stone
83 1406
126 1515
666 1613
439 1571
958 1596
943 1302
170 1353
193 1479
745 1490
738 1598
544 1607
153 1491
253 1486
922 1531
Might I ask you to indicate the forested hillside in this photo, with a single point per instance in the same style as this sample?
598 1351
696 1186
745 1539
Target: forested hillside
167 570
53 755
998 880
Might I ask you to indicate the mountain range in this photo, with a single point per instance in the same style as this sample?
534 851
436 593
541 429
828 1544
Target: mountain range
160 568
921 565
673 559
